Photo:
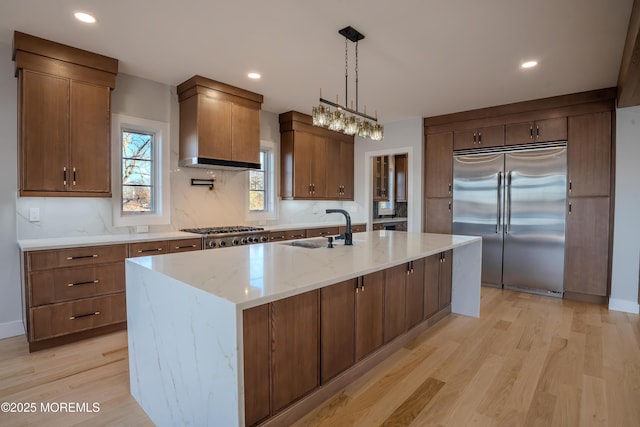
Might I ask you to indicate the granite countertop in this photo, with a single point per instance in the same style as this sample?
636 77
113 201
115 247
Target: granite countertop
252 275
106 239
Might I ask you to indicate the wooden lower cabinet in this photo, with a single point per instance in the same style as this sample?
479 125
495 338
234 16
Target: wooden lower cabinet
437 283
395 301
369 314
322 232
438 217
257 363
337 328
587 246
295 364
415 293
185 245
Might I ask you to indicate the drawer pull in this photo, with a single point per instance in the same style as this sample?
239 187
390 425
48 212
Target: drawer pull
69 258
297 235
91 282
84 315
141 251
185 247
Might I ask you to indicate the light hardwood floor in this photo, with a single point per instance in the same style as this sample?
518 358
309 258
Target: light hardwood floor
528 360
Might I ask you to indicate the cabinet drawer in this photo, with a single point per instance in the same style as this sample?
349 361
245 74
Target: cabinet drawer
60 319
321 232
276 236
42 260
148 248
66 284
357 228
185 245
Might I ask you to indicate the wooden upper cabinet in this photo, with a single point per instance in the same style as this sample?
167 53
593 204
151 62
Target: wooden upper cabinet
401 174
587 246
547 130
315 163
439 165
90 148
380 178
219 124
491 136
589 155
64 119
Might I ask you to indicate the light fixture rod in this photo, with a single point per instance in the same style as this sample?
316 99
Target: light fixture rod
349 110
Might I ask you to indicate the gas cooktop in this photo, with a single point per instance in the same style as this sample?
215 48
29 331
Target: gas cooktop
234 229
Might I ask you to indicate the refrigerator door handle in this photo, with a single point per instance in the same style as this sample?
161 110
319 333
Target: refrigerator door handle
508 203
498 219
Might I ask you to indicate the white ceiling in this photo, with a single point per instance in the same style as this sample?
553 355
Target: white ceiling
420 58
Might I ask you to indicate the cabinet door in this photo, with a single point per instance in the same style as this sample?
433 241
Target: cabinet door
444 282
319 167
587 246
380 178
519 133
333 173
214 128
44 132
90 145
464 139
303 147
256 338
439 165
589 155
490 136
294 348
431 285
401 178
395 301
245 134
369 314
438 216
337 328
551 130
415 293
346 169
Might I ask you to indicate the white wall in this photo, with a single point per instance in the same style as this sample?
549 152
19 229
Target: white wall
10 290
626 237
405 136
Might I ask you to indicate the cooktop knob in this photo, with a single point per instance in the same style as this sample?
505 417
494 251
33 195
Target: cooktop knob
235 242
264 239
243 241
213 244
223 244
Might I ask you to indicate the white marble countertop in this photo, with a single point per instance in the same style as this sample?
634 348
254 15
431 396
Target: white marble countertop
249 276
106 239
385 220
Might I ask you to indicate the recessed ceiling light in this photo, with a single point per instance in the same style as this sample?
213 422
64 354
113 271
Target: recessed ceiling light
529 64
84 17
254 76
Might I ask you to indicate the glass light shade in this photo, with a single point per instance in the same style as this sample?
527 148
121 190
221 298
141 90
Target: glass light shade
337 122
351 125
377 132
321 115
364 130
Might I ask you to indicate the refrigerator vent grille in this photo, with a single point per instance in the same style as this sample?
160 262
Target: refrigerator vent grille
511 148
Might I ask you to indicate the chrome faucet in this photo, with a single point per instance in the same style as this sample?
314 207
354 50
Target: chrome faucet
348 240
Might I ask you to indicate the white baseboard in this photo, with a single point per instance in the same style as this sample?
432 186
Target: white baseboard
11 329
624 305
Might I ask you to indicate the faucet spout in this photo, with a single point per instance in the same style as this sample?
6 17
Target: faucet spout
348 236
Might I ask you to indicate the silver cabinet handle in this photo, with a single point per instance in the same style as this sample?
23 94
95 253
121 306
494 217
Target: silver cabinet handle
64 176
95 313
74 176
90 282
508 203
69 258
498 218
141 251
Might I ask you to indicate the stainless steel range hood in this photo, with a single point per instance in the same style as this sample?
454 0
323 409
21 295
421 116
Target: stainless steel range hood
207 163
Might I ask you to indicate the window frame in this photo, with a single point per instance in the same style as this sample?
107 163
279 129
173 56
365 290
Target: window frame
270 211
160 153
266 181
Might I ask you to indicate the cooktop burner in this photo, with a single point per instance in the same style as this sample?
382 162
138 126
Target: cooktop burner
223 230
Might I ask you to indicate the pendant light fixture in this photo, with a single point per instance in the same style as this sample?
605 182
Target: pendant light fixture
349 121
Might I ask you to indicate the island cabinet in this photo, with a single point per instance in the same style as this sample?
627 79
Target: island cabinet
219 124
315 163
395 303
64 115
337 328
437 283
545 130
369 313
491 136
415 289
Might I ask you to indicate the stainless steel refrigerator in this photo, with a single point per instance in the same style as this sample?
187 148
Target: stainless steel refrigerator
516 201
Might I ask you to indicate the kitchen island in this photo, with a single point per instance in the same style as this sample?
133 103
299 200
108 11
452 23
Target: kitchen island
186 317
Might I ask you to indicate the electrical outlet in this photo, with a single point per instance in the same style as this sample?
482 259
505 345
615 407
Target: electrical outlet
34 214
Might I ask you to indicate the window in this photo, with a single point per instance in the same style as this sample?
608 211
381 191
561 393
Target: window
261 197
258 186
140 176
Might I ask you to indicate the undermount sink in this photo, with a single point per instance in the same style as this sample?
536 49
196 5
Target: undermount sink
307 244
